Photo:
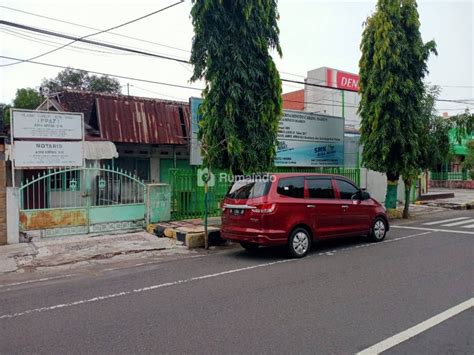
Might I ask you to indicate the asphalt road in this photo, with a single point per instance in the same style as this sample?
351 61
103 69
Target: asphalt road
345 297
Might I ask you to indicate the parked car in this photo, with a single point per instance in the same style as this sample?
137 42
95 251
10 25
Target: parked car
297 209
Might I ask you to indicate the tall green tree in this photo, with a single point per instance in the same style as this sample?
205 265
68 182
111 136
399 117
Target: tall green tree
82 80
242 97
392 68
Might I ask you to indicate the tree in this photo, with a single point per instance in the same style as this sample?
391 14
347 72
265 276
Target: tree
81 80
242 97
5 113
469 162
392 68
435 146
26 98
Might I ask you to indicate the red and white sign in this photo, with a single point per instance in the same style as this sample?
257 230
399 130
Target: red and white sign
342 80
347 81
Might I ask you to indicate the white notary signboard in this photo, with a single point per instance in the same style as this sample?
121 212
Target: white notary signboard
29 124
48 154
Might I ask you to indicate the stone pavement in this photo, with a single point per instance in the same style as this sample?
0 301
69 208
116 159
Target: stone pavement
463 199
57 251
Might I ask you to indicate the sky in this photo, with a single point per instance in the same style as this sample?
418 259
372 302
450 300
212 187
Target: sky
313 33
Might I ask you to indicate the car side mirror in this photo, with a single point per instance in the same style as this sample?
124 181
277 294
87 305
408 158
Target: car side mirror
364 195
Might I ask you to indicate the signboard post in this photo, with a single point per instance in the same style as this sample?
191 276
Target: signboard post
46 139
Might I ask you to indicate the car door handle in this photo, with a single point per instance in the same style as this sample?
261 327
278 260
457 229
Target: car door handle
345 206
311 206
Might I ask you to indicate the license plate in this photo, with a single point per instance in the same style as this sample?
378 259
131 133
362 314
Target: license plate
237 211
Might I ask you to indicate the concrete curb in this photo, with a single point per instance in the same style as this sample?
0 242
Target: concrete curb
191 236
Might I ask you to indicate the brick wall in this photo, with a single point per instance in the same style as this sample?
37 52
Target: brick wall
3 201
293 100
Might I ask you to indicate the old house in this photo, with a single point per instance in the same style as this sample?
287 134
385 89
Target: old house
151 136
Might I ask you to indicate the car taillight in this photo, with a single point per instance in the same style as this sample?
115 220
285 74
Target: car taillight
265 208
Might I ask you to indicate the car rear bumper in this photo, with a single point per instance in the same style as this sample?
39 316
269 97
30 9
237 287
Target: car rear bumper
261 237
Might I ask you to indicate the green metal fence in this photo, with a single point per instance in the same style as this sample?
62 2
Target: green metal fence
187 197
350 173
447 175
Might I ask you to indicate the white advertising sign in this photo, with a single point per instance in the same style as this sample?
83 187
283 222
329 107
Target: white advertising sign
310 139
48 154
43 125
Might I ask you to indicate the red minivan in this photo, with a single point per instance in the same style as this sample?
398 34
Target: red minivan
296 209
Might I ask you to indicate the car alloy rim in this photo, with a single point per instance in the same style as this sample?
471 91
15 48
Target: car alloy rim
379 229
300 243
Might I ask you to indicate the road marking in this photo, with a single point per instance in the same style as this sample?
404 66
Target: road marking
433 230
417 329
37 280
366 245
444 221
174 283
469 226
406 237
458 223
140 290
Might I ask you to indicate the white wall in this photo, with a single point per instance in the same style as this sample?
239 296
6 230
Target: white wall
329 101
376 184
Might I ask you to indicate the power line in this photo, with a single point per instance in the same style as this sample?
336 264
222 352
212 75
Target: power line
334 104
104 44
106 74
75 39
79 39
157 93
96 33
94 29
50 43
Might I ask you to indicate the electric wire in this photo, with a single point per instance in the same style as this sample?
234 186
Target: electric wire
99 32
94 29
334 104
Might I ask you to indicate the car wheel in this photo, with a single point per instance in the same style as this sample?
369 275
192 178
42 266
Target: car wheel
249 246
379 230
299 243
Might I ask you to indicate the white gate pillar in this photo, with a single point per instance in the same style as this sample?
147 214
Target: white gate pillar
13 215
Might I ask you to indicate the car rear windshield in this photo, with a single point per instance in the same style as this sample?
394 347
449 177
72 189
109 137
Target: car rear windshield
246 189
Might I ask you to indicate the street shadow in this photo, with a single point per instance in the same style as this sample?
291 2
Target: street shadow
269 254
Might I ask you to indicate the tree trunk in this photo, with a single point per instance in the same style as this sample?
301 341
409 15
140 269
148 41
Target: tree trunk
392 188
408 183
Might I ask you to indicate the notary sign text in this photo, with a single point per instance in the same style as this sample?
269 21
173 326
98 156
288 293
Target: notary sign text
48 154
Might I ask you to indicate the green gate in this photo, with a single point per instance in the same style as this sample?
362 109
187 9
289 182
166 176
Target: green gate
81 201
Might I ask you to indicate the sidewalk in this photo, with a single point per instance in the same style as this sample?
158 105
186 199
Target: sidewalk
57 251
463 199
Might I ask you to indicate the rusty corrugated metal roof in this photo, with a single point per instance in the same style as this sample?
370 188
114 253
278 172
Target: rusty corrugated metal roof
139 120
130 119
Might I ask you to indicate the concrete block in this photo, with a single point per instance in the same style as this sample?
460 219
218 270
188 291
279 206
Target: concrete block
194 240
170 233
